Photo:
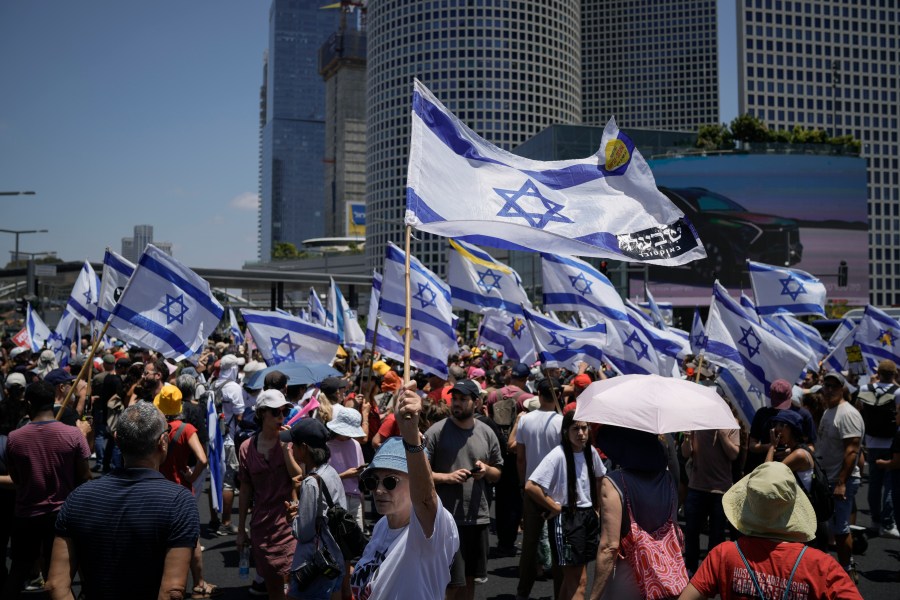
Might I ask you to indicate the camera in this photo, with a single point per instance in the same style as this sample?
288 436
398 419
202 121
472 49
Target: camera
320 564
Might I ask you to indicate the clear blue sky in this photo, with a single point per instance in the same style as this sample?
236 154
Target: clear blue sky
120 113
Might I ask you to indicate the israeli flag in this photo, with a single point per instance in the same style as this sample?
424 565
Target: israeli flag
390 341
698 334
574 285
559 345
667 345
285 338
655 312
432 324
784 290
792 334
839 340
878 336
842 333
749 351
39 334
749 306
317 313
478 282
61 339
349 332
166 307
605 205
234 328
216 451
509 333
117 270
85 295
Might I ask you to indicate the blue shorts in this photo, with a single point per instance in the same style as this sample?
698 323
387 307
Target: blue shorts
839 523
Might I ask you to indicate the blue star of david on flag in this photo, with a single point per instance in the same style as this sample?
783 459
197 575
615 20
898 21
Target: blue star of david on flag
517 326
700 340
750 341
54 337
788 290
637 346
886 337
400 329
538 220
488 286
752 389
88 297
425 295
177 303
581 284
560 340
285 340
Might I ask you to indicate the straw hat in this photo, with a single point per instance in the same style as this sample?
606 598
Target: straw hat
168 400
768 503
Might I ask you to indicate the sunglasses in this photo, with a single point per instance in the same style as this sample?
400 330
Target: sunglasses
370 482
280 412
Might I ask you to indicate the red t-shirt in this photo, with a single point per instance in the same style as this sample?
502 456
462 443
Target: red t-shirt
179 453
441 394
389 427
817 576
43 460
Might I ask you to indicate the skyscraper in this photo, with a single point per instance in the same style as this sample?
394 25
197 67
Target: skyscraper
650 63
133 247
507 69
834 65
293 136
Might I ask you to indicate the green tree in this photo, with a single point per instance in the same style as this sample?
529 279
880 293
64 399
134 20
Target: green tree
284 250
747 128
715 137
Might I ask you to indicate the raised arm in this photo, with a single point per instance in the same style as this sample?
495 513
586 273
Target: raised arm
421 487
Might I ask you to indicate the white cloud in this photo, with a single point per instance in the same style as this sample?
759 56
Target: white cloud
245 201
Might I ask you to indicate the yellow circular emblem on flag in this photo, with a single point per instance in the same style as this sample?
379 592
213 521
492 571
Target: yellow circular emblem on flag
616 155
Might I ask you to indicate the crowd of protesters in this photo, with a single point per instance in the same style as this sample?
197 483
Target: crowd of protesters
426 472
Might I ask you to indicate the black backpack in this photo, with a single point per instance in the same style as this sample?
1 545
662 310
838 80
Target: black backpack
879 410
343 526
819 493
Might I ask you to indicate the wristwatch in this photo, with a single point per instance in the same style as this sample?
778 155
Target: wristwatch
414 449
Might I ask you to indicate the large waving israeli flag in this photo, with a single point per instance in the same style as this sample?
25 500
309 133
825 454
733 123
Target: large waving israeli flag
749 351
117 270
784 290
559 345
432 324
478 282
85 295
389 342
166 307
574 285
509 333
285 338
698 334
878 336
605 205
667 345
38 332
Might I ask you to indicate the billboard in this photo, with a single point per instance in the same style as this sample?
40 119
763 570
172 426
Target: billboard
356 219
803 210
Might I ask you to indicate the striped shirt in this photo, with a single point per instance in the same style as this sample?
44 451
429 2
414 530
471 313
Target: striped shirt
122 525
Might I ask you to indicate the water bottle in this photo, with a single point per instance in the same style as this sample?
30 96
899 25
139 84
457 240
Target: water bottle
244 562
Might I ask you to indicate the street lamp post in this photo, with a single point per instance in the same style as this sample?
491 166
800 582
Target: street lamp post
17 194
17 233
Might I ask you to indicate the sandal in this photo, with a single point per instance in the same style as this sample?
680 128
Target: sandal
207 590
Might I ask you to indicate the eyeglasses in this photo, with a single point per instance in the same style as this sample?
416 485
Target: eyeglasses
280 412
370 482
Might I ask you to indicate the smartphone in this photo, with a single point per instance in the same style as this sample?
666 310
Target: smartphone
475 469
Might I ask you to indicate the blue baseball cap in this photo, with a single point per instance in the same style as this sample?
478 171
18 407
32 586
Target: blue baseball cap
790 418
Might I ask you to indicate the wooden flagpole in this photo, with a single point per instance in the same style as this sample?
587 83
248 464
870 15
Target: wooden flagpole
81 374
407 326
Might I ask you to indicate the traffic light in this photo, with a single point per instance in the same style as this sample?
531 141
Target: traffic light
842 274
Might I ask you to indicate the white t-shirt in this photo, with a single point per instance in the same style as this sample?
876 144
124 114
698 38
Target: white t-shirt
232 405
539 432
550 474
838 424
403 563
